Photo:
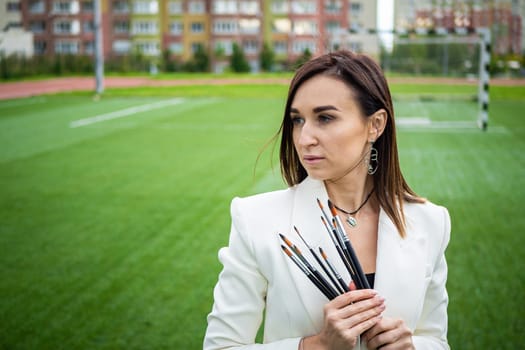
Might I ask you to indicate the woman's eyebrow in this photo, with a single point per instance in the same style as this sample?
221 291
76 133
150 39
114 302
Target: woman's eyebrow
325 108
317 109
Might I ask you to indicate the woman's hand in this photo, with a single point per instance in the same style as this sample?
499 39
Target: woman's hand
389 334
345 318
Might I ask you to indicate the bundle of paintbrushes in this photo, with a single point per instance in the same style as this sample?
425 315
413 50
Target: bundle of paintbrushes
330 283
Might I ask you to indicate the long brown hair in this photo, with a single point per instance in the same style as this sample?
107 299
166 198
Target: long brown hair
366 80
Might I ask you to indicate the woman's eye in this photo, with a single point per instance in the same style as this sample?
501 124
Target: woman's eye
297 120
324 118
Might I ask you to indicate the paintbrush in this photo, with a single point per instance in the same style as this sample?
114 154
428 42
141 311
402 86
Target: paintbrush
337 275
322 281
361 281
307 273
319 261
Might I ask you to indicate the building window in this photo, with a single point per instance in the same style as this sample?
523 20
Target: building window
249 7
66 47
250 47
332 27
305 27
225 27
37 27
149 48
224 46
176 48
89 47
355 8
146 7
88 27
356 46
176 27
175 7
281 25
121 46
304 6
225 7
120 6
13 6
356 26
88 6
66 27
300 46
196 7
249 26
280 47
197 27
280 6
66 7
39 47
195 47
145 27
121 27
37 6
333 6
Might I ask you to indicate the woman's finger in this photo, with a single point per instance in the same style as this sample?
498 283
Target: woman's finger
352 297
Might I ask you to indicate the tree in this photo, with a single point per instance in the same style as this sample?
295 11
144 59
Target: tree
305 57
200 62
267 58
238 62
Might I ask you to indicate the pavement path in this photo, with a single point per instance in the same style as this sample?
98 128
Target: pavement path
19 89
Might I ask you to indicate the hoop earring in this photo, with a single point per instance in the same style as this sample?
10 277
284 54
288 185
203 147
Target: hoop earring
373 159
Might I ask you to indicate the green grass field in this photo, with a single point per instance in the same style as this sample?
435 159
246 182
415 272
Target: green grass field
109 232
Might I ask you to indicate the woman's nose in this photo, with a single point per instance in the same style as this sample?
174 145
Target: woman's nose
307 135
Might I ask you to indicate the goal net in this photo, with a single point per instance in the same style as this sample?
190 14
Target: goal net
441 80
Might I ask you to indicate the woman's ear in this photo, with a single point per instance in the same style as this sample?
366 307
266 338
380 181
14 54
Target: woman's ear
377 124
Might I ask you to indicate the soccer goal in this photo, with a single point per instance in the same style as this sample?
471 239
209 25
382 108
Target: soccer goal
443 79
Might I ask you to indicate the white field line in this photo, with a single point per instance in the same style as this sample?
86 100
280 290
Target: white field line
124 112
426 124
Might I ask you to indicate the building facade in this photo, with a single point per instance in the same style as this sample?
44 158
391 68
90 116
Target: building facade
503 17
180 27
13 38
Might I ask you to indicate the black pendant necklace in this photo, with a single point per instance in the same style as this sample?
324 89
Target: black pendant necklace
350 214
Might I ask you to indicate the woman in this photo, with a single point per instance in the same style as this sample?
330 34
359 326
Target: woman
338 142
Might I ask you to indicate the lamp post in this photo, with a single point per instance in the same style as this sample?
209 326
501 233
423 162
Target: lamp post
99 55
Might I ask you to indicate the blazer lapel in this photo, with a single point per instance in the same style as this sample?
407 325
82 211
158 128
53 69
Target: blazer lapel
400 269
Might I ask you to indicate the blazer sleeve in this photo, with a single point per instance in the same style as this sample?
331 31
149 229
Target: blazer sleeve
431 330
239 295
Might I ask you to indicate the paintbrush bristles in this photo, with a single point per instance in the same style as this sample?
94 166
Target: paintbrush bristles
283 237
332 208
288 252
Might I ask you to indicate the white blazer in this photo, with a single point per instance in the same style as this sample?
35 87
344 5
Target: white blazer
259 281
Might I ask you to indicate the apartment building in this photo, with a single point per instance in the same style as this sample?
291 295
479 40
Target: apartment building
154 27
504 17
13 38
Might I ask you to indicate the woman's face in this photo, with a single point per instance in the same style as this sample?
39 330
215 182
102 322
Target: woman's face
330 132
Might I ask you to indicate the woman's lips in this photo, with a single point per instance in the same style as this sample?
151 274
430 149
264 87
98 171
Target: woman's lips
310 159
